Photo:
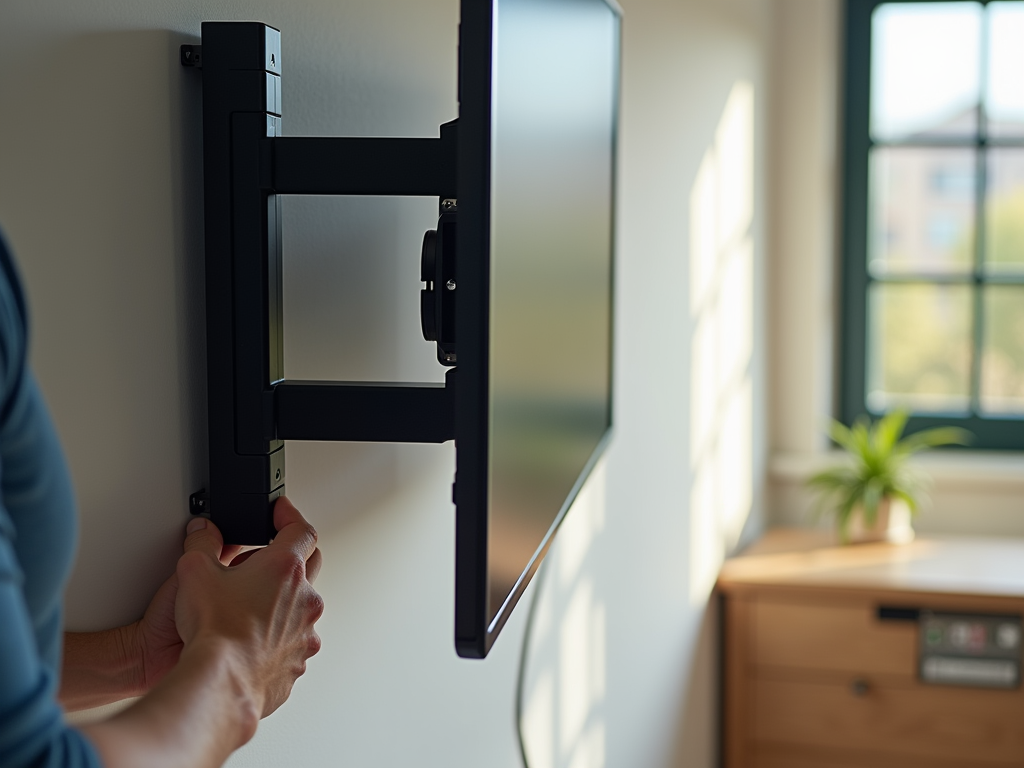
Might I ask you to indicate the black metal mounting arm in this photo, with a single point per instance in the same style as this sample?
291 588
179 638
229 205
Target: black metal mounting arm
246 165
415 413
302 165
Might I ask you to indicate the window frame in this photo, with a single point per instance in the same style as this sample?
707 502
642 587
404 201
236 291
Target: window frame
990 433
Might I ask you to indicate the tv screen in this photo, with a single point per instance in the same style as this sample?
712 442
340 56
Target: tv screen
538 116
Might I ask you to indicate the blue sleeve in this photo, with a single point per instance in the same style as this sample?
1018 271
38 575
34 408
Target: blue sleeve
37 536
32 728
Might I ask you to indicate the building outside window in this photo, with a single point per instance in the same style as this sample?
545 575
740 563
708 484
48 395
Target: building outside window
933 252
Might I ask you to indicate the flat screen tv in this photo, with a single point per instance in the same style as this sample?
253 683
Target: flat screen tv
526 182
538 121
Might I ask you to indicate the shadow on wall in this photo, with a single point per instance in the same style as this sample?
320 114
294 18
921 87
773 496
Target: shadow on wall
102 193
564 687
187 226
352 295
351 313
102 198
699 708
565 682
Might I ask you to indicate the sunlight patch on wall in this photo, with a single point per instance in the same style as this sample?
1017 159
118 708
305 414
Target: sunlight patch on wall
563 713
722 328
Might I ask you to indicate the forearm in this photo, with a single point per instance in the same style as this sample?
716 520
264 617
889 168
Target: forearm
100 668
194 718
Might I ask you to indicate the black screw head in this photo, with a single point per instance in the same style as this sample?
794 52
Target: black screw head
190 56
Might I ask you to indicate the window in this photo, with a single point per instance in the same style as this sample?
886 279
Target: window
933 261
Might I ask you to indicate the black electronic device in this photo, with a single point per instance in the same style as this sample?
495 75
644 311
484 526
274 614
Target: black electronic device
538 118
974 650
518 272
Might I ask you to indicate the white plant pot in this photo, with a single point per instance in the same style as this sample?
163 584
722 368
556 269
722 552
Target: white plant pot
892 524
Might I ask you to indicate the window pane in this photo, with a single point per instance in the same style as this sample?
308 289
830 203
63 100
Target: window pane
925 69
1004 215
1004 94
919 347
921 210
1002 363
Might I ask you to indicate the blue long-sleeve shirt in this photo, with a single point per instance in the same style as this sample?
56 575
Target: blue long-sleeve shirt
37 541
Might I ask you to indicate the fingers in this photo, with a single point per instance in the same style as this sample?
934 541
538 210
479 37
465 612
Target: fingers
203 536
314 645
313 565
293 531
285 513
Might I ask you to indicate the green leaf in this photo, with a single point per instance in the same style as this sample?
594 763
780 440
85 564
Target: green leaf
874 490
836 478
888 431
861 440
879 453
841 435
930 438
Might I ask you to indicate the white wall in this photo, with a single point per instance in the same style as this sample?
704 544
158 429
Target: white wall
100 195
627 587
973 493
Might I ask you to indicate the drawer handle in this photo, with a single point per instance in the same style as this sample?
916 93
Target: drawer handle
898 613
859 687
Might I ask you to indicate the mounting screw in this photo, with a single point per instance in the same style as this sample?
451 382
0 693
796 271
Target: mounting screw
450 285
449 204
277 474
192 56
449 358
199 503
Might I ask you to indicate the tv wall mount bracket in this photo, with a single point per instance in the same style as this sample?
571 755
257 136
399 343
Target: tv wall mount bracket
247 165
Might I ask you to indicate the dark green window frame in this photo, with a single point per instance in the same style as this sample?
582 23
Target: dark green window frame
1000 433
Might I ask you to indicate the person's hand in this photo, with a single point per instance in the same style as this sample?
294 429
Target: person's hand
154 638
155 635
263 605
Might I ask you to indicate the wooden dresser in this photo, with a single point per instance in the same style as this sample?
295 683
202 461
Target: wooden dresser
822 651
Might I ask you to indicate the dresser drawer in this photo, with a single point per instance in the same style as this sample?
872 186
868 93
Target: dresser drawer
980 727
801 761
772 756
844 638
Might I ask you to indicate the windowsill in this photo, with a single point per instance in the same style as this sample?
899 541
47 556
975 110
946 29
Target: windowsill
988 470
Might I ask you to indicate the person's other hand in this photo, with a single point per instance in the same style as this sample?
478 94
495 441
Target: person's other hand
155 635
263 605
154 638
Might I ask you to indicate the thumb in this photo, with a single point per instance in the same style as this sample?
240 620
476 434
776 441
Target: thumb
203 536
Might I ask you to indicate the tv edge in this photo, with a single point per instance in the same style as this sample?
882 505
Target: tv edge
538 125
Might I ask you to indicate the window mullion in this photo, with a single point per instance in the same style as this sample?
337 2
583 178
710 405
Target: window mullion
978 329
980 195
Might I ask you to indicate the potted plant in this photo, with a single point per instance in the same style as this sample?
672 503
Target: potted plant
876 494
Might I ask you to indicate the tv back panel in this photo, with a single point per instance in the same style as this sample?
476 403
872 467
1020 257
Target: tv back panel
537 136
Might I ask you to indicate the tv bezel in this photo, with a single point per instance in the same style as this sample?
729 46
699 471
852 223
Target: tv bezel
475 631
